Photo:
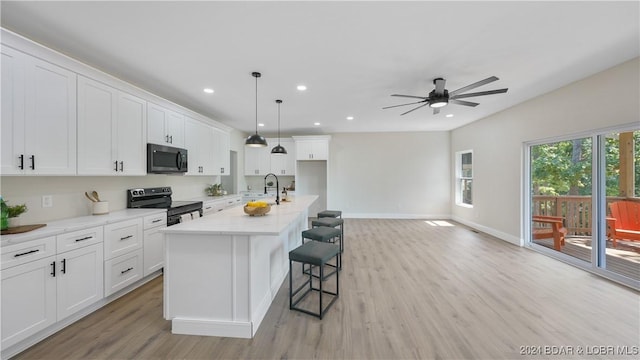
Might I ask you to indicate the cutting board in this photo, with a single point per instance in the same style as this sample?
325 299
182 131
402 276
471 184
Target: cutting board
22 229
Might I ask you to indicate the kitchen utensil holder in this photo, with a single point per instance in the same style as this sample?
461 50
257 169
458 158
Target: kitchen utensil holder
100 207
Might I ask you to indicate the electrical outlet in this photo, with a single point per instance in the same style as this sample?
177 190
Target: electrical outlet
47 201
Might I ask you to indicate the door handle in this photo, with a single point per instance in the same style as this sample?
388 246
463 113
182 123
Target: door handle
53 269
21 166
64 266
33 162
116 163
121 165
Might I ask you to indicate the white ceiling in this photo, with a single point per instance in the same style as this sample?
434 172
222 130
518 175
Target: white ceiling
351 55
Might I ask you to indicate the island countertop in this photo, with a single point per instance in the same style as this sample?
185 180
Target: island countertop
234 221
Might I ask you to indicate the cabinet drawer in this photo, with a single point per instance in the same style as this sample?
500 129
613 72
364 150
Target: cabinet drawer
122 238
122 271
17 254
78 239
212 207
157 220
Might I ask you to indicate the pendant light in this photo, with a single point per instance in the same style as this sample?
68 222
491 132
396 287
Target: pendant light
279 149
256 140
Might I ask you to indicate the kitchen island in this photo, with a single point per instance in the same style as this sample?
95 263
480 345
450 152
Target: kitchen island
222 271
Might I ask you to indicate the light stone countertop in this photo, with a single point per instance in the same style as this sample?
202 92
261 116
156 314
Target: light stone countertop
235 221
78 223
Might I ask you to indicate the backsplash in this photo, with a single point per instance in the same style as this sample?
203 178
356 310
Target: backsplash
68 192
256 183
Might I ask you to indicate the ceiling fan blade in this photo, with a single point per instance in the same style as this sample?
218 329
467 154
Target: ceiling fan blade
436 111
411 96
474 85
439 85
423 105
392 106
462 102
481 93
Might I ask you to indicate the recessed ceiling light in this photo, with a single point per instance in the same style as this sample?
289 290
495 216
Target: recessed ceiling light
261 124
316 123
349 117
301 88
449 115
208 90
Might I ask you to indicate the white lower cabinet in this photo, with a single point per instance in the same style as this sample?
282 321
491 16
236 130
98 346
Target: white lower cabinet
122 237
28 299
80 279
154 243
122 271
38 293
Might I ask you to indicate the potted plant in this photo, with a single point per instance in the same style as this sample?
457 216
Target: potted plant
214 190
14 211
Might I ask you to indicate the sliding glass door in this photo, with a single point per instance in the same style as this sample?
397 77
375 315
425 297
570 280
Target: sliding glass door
581 190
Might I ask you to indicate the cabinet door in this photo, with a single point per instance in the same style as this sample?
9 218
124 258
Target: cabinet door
221 154
304 150
122 271
96 131
283 164
156 118
80 279
207 151
153 251
193 143
28 300
131 135
50 119
12 126
175 129
257 161
312 150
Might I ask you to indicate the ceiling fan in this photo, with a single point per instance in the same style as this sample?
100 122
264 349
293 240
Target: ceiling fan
440 96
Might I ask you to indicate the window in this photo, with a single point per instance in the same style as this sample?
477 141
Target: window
464 178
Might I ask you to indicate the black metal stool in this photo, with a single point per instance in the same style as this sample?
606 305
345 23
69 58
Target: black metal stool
314 253
324 234
332 223
330 214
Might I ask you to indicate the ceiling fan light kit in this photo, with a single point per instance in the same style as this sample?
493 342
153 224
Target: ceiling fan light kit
256 140
440 97
279 149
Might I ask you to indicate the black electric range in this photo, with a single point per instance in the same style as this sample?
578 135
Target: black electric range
160 198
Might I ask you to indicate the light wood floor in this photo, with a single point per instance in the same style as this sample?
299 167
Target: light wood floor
408 290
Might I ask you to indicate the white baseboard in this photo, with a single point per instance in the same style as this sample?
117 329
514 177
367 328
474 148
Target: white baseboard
396 216
515 240
206 327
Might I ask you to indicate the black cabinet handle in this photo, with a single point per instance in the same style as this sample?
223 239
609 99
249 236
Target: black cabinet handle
21 166
26 253
121 165
84 238
126 271
116 163
33 162
64 266
126 237
171 139
221 170
155 221
166 138
53 269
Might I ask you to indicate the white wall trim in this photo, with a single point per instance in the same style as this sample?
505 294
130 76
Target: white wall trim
396 216
493 232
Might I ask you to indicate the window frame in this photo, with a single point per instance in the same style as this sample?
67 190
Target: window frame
461 179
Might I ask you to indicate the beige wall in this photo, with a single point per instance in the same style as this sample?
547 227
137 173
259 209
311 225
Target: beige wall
401 175
607 99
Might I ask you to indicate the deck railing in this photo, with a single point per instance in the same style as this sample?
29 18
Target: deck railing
576 210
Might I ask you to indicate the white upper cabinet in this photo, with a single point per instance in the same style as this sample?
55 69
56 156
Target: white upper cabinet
221 153
257 160
312 147
164 127
111 130
199 141
283 164
38 116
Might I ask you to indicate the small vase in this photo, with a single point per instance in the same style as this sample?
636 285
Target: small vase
14 222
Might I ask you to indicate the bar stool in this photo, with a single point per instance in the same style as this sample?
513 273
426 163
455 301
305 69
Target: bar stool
313 253
330 214
332 223
324 234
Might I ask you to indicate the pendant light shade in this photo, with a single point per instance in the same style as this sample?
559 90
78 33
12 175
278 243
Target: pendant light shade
278 149
256 140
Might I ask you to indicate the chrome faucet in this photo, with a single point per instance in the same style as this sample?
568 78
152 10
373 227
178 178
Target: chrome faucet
277 187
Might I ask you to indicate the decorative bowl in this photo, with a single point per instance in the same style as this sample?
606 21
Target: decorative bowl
257 211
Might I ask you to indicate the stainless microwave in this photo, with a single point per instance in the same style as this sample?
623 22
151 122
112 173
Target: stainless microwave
166 159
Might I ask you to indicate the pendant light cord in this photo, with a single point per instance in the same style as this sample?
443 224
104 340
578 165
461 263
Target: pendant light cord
279 122
256 105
